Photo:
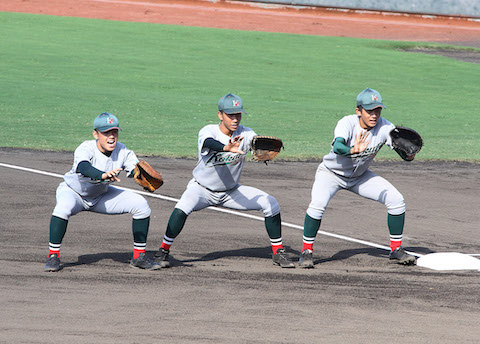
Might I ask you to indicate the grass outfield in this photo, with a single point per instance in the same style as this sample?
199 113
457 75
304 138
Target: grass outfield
164 81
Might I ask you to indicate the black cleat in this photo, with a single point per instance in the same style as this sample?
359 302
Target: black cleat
281 259
402 257
53 263
306 259
161 257
143 262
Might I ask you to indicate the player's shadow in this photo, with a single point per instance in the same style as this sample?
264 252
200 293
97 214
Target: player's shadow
249 252
266 253
371 251
87 259
119 257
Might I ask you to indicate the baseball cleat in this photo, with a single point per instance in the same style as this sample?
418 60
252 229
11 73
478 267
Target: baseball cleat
281 259
161 257
306 259
402 257
53 263
143 262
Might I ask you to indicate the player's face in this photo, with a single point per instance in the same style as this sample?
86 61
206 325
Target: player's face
369 118
107 140
229 122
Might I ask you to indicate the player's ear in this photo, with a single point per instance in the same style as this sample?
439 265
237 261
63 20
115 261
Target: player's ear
358 111
95 134
220 115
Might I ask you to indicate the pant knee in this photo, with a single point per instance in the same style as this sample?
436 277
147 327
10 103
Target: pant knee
270 206
62 212
395 204
141 210
315 212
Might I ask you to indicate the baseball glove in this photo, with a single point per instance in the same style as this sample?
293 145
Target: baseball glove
265 148
406 142
145 176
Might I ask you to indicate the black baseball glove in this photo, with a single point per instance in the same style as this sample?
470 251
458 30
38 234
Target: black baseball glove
406 142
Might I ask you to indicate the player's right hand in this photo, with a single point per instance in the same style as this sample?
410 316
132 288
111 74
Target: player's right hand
112 175
233 145
361 142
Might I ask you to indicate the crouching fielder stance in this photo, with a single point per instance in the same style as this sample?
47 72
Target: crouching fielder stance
358 138
221 155
87 187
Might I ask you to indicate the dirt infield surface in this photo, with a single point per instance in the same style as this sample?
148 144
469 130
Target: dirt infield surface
222 287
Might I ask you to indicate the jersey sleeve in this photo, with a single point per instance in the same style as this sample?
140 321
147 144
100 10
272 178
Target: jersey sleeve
85 168
248 136
84 152
205 133
344 129
213 144
340 147
388 128
130 161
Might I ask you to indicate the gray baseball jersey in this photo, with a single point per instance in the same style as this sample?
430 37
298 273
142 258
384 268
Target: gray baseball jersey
352 173
121 157
220 171
355 165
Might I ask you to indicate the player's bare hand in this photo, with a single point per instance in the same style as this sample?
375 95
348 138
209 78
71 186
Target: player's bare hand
361 142
112 175
233 145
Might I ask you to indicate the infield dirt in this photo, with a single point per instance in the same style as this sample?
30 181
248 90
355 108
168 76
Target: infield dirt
222 287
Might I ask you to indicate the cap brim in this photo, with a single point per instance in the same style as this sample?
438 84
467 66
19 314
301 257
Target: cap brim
373 106
232 111
104 129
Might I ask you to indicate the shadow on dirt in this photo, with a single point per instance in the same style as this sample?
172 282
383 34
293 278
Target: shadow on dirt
250 252
374 252
265 253
86 259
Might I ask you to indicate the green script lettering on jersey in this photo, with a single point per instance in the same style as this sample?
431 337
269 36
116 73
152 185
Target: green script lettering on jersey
368 152
224 158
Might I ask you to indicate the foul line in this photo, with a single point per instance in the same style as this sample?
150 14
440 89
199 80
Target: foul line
222 210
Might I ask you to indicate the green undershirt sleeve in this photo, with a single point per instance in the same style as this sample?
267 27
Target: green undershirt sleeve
213 144
340 147
86 168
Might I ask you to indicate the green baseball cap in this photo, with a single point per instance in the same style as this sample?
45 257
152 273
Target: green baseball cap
231 103
370 99
105 122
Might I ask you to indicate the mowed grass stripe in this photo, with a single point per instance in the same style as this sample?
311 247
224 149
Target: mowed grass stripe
164 81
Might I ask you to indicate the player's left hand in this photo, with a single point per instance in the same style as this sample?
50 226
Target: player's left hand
406 142
233 145
112 175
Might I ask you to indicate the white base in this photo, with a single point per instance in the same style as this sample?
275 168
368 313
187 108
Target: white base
449 261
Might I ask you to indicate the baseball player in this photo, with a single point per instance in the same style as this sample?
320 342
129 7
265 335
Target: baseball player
357 140
88 187
222 149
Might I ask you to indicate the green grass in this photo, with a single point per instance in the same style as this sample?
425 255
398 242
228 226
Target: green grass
163 82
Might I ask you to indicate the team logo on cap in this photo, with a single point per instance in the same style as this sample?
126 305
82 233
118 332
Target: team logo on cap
235 103
374 97
109 120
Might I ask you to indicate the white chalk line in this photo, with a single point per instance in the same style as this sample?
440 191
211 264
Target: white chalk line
223 210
